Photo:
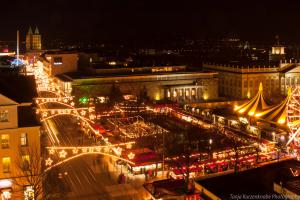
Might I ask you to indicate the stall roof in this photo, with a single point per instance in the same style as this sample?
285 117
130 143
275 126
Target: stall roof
276 114
254 105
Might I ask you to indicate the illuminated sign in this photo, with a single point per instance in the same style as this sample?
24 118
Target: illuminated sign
57 61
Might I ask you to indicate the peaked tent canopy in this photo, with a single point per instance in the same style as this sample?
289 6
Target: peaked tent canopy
254 105
276 114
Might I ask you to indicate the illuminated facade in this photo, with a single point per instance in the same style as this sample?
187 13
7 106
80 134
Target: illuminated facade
33 40
176 86
14 135
55 63
243 81
19 132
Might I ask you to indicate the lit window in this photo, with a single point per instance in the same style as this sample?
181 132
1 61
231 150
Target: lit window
174 94
6 164
26 162
23 139
5 141
28 192
3 116
57 60
193 92
180 92
169 94
187 93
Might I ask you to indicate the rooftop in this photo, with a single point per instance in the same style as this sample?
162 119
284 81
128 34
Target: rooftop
83 75
167 188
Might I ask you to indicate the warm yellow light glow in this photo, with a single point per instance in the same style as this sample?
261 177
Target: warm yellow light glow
258 114
157 97
205 96
236 107
242 110
281 121
112 63
248 95
260 87
251 113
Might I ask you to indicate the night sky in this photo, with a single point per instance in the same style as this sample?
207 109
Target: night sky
112 20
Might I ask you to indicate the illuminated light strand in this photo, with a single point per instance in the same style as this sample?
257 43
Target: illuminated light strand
99 146
83 118
88 153
58 109
58 103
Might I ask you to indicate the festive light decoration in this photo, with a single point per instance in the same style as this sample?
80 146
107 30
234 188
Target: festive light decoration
75 150
293 118
135 127
90 153
62 154
131 155
51 151
129 146
49 162
67 153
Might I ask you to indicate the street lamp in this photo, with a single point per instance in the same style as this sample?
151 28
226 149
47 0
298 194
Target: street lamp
273 134
209 147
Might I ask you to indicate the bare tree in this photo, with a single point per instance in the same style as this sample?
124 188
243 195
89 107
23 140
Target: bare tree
28 167
30 173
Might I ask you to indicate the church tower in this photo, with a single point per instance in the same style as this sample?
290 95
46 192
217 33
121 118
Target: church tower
277 52
28 39
33 40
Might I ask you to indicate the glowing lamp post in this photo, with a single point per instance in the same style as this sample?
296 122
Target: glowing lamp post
210 141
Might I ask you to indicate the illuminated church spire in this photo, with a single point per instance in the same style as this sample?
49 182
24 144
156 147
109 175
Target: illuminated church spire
30 31
36 31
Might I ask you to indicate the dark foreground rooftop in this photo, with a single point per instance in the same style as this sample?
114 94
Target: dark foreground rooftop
21 89
257 181
27 117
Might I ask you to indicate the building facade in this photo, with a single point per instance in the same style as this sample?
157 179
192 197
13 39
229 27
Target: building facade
179 87
19 138
238 81
55 63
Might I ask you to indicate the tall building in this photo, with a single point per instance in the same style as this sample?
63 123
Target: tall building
33 40
20 135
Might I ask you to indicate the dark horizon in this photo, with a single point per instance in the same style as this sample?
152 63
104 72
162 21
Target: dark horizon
137 21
